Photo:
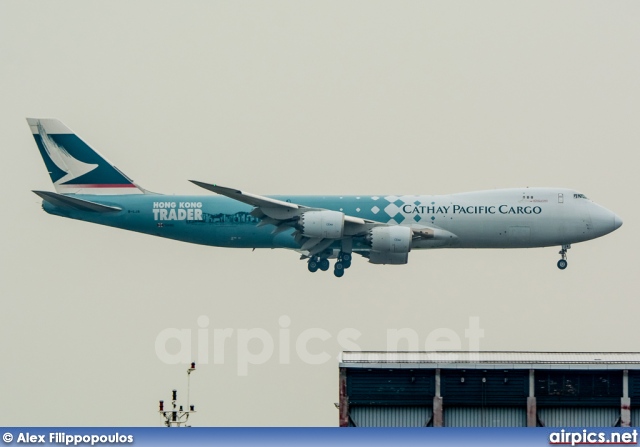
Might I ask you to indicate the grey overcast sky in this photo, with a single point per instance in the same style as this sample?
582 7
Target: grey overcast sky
331 97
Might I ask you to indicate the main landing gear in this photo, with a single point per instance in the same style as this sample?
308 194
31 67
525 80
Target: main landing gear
343 262
562 263
316 263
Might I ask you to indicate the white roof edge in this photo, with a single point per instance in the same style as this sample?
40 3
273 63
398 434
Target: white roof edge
451 359
496 366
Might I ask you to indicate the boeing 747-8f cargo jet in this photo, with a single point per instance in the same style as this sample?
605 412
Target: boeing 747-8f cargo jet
382 228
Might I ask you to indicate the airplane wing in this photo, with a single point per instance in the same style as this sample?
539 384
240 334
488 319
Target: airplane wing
279 207
285 215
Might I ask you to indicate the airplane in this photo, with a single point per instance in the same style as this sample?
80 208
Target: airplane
381 228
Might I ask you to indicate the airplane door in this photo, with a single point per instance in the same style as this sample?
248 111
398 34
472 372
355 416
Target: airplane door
560 198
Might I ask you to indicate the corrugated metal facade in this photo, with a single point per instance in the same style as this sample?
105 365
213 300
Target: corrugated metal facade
390 416
579 417
634 389
635 417
485 417
391 387
489 389
485 388
571 388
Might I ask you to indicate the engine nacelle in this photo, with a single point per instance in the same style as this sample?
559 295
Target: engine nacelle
394 239
323 224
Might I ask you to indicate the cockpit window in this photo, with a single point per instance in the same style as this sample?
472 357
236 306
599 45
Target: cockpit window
580 196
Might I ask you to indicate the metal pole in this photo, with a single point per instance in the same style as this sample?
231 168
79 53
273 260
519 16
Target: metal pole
188 389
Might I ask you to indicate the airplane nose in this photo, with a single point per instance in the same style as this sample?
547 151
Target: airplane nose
603 221
617 222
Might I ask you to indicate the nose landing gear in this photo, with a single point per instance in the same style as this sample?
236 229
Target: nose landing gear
562 263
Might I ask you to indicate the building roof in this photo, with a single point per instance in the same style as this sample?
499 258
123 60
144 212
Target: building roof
491 360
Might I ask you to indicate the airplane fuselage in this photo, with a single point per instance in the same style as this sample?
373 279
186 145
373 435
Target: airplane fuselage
505 218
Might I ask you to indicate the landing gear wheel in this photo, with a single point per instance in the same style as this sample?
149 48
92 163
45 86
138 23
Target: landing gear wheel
345 259
562 263
338 269
312 265
324 264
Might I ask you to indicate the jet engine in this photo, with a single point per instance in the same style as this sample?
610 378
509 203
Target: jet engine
322 224
390 245
394 239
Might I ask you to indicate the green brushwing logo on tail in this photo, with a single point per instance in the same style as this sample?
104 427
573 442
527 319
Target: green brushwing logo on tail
75 167
70 168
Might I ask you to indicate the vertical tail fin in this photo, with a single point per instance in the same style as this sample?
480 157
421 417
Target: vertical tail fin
74 167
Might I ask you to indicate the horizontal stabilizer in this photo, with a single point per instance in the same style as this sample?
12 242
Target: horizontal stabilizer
63 201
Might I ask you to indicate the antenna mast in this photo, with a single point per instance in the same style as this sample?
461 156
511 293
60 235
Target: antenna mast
177 416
